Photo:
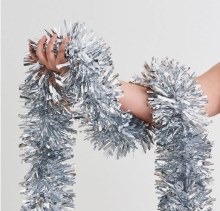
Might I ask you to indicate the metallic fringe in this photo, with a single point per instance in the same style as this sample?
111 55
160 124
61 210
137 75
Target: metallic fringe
47 141
179 125
92 79
92 90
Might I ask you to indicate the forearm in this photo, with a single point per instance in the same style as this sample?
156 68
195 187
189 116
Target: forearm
135 97
210 84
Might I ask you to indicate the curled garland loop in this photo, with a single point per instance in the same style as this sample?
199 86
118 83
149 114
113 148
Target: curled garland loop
97 90
180 134
87 92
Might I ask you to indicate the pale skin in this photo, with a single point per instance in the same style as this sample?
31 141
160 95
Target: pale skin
135 97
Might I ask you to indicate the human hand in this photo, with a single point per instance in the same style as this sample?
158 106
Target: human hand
44 53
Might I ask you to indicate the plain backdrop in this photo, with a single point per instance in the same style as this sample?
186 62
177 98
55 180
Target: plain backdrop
186 30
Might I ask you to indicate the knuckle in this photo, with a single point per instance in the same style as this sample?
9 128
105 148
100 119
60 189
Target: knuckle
59 61
42 62
52 67
49 66
47 52
61 50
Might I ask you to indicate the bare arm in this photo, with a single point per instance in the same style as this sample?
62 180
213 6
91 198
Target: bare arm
135 99
210 84
135 96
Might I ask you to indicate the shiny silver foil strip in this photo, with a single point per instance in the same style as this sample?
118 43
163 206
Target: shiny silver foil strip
88 93
47 140
91 77
179 126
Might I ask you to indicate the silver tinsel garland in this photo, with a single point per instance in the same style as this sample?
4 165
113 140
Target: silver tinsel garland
179 125
92 79
47 140
89 92
89 87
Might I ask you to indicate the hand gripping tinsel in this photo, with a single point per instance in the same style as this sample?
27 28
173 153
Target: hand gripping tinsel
88 92
179 125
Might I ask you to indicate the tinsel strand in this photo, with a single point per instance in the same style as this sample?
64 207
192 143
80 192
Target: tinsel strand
89 87
47 141
180 121
91 77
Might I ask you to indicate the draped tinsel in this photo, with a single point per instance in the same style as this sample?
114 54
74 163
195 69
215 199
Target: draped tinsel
88 92
179 125
47 140
96 86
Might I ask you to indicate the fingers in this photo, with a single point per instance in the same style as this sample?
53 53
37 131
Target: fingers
47 57
40 51
61 53
51 59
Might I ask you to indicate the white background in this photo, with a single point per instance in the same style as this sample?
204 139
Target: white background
186 30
